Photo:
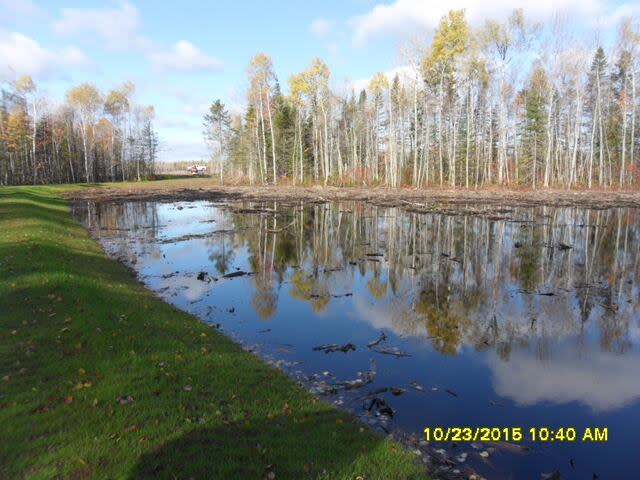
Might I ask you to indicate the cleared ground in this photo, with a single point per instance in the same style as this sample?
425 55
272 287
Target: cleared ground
200 188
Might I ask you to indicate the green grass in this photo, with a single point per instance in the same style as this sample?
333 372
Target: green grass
78 332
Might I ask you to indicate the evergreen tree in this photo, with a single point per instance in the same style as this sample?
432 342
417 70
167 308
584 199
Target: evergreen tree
217 130
534 136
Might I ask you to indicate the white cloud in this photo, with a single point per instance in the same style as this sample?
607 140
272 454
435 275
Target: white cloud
190 101
196 107
406 75
183 56
236 100
407 17
321 27
120 28
22 55
615 15
170 121
117 26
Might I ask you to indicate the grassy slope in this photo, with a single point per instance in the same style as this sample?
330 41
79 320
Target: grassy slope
77 332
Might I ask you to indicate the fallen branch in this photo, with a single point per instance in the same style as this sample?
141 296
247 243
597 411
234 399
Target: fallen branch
388 351
382 338
278 230
334 347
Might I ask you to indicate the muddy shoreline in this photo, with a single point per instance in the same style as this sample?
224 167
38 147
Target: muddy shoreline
422 200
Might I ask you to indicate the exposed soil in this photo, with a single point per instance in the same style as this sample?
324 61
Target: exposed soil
454 202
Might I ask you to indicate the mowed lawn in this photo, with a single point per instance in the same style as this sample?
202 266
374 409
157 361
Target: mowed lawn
101 379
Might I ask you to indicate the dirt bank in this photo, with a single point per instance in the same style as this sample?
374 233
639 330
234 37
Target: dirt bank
411 199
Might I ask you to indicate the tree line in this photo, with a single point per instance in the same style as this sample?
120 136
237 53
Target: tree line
90 137
509 103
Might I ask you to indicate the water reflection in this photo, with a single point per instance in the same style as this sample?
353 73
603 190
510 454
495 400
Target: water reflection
602 380
537 307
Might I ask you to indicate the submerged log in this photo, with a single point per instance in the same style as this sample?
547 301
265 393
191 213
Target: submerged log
380 406
380 339
239 273
334 347
395 351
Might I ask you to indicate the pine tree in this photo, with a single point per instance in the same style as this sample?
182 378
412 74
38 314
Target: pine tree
217 130
534 127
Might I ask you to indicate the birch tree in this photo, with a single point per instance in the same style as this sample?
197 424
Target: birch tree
261 76
504 40
86 100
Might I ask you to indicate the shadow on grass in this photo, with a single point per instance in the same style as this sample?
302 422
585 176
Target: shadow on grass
32 194
285 446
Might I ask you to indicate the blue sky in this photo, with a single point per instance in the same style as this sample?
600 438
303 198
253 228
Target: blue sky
183 55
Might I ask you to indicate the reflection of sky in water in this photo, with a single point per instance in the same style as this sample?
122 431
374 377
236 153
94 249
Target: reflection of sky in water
524 330
600 380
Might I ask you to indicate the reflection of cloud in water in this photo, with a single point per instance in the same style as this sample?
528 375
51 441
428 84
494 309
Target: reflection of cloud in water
600 380
382 315
189 287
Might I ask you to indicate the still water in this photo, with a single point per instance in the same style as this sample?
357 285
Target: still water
521 317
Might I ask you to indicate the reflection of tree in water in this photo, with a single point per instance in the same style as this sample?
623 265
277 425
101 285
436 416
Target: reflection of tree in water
614 333
525 267
264 300
138 219
377 287
285 252
222 255
540 274
443 325
305 286
482 282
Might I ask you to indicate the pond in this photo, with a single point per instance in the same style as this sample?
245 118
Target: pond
515 317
